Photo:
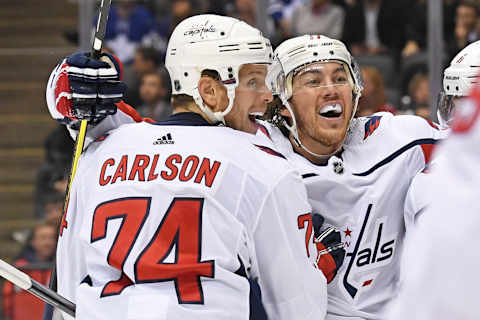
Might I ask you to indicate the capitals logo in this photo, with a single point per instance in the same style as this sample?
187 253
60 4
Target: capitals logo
367 256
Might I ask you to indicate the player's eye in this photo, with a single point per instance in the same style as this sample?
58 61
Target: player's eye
340 78
312 81
252 83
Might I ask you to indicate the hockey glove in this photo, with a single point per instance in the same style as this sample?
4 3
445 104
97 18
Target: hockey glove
330 252
82 88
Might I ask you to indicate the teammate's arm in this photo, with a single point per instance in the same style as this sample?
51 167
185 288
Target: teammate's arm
292 287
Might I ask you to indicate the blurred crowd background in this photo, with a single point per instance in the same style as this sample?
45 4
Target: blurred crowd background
387 37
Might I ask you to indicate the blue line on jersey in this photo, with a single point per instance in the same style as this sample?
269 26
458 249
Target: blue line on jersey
396 154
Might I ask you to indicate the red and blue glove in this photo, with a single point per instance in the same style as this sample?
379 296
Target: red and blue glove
82 88
330 252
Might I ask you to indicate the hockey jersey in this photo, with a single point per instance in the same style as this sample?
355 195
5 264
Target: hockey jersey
362 191
170 220
440 278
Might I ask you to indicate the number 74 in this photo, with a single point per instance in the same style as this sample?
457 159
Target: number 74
181 226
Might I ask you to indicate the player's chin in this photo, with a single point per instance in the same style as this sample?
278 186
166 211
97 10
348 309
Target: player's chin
332 136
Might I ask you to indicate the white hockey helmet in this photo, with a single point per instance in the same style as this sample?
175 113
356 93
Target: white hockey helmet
213 42
297 53
458 80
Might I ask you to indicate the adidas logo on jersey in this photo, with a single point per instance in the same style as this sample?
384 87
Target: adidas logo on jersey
166 139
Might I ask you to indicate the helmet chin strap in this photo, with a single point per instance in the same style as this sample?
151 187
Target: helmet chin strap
299 143
218 116
294 132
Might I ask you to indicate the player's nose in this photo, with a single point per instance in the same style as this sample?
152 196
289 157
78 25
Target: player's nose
268 96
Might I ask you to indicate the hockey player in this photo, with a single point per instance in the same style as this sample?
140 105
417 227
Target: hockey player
357 171
458 79
170 220
433 196
440 277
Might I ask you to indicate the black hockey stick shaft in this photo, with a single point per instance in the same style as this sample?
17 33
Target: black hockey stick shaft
52 298
23 281
95 53
101 29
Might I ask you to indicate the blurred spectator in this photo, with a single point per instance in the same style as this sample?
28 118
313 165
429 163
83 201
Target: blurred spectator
375 27
59 151
54 207
60 182
416 26
129 26
416 29
246 10
281 12
146 60
153 93
423 111
466 27
419 92
179 10
35 260
414 54
373 97
318 17
40 246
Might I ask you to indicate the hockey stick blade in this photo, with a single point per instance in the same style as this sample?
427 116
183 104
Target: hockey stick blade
22 280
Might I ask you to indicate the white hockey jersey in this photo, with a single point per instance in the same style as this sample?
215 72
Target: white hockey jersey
440 267
362 192
168 221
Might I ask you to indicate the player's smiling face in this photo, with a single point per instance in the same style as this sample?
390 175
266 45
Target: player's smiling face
251 97
322 104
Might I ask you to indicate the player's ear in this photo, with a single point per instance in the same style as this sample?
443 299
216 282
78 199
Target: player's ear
211 92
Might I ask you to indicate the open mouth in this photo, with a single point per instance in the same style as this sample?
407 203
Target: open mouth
333 110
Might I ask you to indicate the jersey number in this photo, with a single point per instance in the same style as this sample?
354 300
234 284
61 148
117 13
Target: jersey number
181 227
301 220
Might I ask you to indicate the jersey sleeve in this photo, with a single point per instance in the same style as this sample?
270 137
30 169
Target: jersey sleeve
421 135
418 198
125 114
292 288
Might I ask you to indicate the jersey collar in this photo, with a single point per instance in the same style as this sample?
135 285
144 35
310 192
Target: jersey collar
184 119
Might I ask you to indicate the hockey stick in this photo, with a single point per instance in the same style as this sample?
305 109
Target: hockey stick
79 143
22 280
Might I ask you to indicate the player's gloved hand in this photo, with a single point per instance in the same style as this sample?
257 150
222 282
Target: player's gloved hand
330 252
82 88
